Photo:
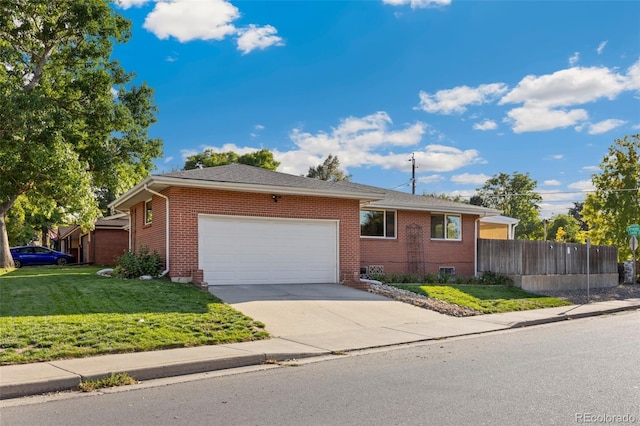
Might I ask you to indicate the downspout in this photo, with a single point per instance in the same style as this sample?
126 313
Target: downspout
128 213
166 199
513 231
475 247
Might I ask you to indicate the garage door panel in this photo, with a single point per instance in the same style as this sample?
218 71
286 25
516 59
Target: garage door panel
241 250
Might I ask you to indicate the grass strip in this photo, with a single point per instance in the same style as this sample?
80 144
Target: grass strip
489 299
49 313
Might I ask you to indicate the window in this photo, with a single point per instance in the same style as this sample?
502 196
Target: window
378 223
148 212
446 226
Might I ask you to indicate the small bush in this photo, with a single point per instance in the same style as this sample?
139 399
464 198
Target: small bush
490 278
132 265
487 278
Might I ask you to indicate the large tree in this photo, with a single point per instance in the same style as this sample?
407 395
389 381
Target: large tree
71 121
209 158
515 196
329 170
564 228
615 204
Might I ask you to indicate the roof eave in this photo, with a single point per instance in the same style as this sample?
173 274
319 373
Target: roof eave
438 209
159 183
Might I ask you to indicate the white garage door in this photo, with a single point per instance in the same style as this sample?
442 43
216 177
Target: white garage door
249 250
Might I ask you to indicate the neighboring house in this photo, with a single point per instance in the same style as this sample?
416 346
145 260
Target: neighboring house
102 245
238 224
498 227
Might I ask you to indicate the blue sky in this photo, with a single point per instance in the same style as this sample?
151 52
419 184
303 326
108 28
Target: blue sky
470 88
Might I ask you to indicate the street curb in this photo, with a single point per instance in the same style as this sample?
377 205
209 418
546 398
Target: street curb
566 317
149 373
36 388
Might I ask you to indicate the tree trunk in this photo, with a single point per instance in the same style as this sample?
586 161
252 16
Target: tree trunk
6 261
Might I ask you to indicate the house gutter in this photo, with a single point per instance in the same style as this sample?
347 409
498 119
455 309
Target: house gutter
475 246
166 199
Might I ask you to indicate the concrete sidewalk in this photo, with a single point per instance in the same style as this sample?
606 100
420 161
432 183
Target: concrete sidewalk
31 379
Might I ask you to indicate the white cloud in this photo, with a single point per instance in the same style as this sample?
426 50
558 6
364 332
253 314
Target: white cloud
188 20
573 59
417 4
573 86
485 125
552 182
446 158
457 99
189 152
430 179
356 135
582 185
534 119
591 168
601 46
551 209
254 37
543 96
604 126
633 76
367 141
467 178
168 160
556 157
259 127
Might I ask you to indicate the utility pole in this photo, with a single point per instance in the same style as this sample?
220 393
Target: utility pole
413 174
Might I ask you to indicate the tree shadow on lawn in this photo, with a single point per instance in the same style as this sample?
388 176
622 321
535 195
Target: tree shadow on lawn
40 291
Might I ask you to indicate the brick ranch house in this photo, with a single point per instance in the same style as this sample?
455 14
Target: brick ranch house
101 245
238 224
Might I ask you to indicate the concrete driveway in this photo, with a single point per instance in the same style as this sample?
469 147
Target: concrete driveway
316 313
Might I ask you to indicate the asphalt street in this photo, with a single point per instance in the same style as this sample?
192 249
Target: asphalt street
573 372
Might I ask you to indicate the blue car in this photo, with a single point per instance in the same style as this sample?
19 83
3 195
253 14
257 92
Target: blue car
37 255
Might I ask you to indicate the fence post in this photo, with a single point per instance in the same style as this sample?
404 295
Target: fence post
588 258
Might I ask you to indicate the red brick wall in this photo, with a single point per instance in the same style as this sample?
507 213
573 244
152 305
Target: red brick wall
150 235
187 203
392 253
107 245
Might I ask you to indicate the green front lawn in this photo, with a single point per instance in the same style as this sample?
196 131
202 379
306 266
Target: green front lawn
51 313
489 299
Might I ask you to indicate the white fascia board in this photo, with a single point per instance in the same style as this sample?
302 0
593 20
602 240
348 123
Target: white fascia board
129 194
161 182
436 209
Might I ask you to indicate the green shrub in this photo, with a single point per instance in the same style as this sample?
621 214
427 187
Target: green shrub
490 278
132 265
487 278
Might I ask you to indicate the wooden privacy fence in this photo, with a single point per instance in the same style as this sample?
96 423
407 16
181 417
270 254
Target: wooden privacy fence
524 257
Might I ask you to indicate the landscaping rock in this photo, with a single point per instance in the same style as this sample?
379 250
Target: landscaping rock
422 301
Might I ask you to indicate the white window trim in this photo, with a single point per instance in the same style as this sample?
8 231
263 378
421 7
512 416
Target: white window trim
445 227
395 224
145 212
